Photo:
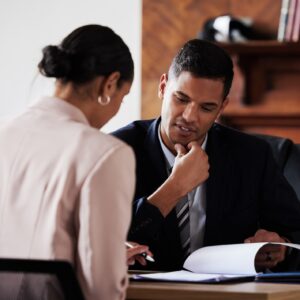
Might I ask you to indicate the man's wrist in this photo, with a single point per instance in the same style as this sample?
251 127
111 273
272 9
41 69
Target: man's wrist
165 197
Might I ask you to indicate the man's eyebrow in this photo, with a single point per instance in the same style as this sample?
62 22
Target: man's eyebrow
182 94
210 104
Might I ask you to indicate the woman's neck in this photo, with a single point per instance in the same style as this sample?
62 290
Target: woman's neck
83 98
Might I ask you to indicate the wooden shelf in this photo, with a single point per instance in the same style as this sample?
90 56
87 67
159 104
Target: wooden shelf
259 48
276 103
266 88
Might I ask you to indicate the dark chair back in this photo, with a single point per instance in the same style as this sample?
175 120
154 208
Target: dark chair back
38 279
287 156
292 168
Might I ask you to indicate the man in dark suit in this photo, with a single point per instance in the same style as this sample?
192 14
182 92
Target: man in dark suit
200 183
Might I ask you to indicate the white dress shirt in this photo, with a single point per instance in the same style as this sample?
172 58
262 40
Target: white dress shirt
65 193
197 201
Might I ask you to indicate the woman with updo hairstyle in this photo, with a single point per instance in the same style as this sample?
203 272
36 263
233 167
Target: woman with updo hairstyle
65 187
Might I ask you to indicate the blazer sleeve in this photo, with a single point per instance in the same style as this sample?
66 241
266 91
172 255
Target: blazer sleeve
146 223
104 218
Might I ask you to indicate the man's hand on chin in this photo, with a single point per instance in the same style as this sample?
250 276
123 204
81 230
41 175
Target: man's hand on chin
190 168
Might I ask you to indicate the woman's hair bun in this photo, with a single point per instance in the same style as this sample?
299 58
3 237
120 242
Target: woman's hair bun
87 52
55 62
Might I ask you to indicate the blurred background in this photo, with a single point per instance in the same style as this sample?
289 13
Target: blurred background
262 36
265 97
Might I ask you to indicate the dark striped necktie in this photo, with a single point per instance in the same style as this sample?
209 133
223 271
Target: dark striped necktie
183 219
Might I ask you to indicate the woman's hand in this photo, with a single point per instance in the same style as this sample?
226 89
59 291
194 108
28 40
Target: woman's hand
134 254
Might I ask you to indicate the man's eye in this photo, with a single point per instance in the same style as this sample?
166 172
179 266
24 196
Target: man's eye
207 109
182 100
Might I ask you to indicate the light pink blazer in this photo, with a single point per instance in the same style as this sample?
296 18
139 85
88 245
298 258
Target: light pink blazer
65 193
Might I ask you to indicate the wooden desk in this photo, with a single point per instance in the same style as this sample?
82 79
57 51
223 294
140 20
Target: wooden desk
233 291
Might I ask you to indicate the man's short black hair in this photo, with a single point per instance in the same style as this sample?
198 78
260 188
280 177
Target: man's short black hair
204 59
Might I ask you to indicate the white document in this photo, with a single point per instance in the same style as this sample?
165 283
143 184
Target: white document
187 276
216 264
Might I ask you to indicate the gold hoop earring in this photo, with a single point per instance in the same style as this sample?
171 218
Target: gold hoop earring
105 102
160 95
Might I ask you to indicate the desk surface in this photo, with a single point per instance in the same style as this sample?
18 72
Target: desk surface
233 291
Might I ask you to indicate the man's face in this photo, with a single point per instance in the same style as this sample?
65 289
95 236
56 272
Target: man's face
190 107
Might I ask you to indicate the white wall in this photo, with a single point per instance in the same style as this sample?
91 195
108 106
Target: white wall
27 26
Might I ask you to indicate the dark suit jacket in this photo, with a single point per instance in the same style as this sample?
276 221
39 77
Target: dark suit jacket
245 191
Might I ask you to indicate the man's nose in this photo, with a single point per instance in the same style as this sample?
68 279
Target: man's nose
190 113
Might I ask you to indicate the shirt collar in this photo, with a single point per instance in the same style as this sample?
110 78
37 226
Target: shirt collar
169 156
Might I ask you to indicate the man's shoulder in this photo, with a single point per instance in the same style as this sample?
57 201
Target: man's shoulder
233 137
134 132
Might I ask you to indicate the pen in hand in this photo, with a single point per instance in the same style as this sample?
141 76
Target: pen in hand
144 254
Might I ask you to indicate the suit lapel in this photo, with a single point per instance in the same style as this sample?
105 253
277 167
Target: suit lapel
155 154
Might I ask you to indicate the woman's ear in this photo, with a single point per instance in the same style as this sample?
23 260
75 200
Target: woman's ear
110 84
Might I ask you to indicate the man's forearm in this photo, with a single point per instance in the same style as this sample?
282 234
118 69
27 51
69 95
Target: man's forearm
166 196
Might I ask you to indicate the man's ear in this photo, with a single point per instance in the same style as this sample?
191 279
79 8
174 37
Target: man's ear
162 85
110 84
224 104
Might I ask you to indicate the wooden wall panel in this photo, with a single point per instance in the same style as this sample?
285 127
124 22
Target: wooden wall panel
167 24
